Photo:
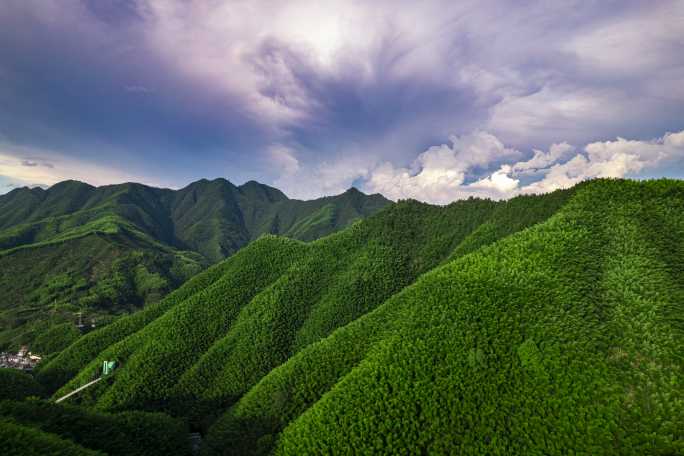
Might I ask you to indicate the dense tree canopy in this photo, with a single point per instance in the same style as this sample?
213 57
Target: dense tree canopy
17 385
540 325
112 250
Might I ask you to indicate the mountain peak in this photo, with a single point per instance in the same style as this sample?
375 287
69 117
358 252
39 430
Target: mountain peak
259 190
24 189
204 183
70 183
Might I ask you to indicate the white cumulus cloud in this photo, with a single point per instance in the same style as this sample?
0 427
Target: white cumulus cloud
438 174
445 173
619 158
541 159
308 181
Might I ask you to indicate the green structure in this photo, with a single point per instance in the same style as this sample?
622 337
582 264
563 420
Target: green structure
108 367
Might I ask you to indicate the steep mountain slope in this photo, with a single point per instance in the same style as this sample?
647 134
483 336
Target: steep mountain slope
115 248
103 273
25 440
323 285
17 385
545 324
28 426
566 336
274 287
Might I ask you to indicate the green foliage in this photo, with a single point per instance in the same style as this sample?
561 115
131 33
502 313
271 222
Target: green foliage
545 324
291 388
59 370
209 349
17 385
190 354
152 358
531 358
26 441
153 434
517 214
315 225
578 321
422 236
99 276
128 433
510 349
113 249
56 339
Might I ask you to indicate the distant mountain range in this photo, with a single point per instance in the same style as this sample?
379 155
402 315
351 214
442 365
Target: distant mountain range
103 250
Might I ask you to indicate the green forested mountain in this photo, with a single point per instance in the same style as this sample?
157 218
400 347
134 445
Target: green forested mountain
545 324
106 250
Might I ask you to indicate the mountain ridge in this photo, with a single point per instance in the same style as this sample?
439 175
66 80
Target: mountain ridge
544 324
163 237
478 327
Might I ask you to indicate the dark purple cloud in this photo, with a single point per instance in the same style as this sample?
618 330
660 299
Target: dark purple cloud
316 96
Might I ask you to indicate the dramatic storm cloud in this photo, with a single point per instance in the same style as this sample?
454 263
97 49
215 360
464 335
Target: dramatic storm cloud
432 100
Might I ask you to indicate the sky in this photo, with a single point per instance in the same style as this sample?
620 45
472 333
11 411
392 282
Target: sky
432 100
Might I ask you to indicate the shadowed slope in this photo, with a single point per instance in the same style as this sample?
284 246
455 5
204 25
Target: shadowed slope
124 434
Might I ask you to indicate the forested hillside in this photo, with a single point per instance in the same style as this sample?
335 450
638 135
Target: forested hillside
35 427
548 324
114 249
